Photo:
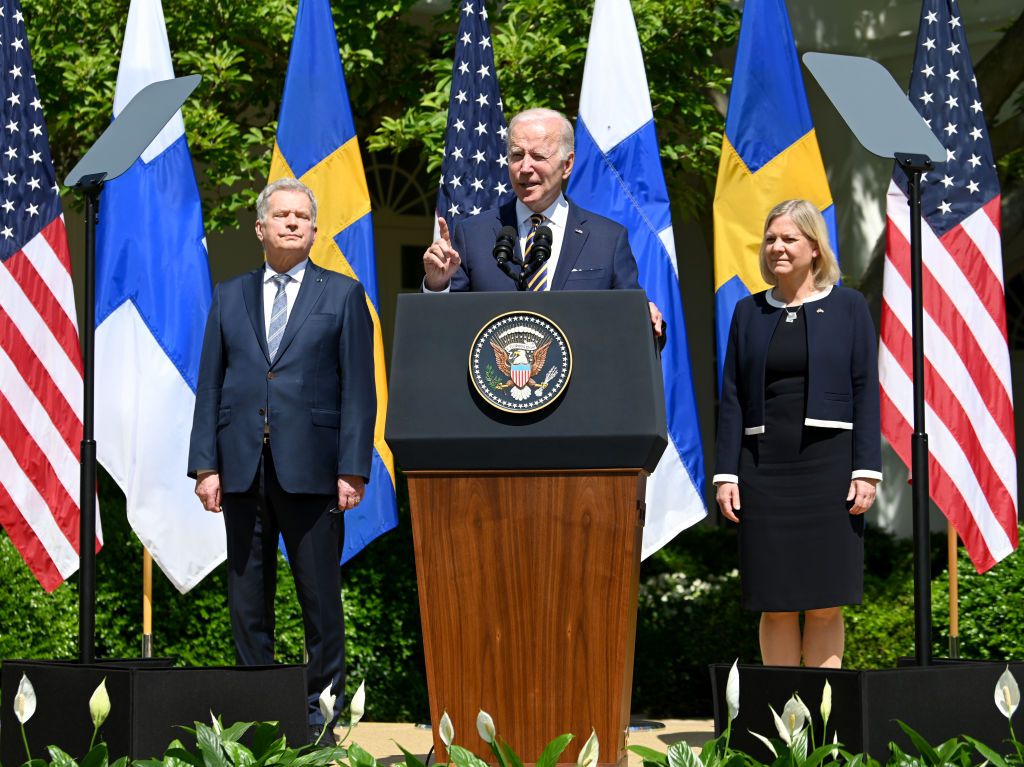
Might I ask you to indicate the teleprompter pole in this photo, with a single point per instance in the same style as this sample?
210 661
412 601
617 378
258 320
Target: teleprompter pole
87 498
914 165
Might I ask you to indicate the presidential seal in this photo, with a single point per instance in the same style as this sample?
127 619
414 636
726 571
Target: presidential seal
520 362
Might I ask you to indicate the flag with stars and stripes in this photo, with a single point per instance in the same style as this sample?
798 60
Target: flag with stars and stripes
474 173
40 360
317 144
968 396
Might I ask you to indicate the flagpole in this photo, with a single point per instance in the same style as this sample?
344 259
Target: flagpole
147 603
954 590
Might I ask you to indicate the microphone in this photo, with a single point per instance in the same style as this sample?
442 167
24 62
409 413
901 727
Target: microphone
504 249
539 254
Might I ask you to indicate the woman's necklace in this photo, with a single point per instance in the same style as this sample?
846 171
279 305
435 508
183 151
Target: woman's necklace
791 313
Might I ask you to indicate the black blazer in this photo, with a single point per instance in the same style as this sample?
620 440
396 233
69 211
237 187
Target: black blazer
842 376
318 395
595 252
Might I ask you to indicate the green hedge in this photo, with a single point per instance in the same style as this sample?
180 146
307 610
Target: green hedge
689 614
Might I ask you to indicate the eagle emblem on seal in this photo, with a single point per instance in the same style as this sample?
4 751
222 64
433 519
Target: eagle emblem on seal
520 362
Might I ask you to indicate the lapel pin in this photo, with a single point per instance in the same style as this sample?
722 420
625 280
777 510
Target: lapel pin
579 231
821 311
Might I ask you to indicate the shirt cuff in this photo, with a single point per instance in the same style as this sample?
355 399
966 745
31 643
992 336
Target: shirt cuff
447 288
866 474
720 478
201 473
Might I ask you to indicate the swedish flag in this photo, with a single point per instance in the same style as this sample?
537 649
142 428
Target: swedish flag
769 154
316 143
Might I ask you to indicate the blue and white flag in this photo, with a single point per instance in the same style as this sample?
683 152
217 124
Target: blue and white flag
618 174
152 297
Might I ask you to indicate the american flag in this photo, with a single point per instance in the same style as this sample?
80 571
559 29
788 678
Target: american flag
40 360
474 173
969 404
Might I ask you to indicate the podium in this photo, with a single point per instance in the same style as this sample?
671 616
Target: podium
527 525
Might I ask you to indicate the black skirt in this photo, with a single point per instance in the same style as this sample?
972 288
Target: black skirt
800 548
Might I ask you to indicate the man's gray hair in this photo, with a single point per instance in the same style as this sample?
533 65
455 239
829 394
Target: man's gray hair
283 185
567 141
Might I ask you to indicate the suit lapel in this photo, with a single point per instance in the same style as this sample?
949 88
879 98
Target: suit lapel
313 283
573 240
252 296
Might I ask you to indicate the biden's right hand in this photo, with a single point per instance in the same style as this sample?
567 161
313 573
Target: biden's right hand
441 260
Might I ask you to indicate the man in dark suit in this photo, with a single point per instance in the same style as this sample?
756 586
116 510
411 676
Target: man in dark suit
282 434
588 251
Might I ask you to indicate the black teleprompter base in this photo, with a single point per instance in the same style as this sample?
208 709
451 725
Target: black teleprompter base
940 701
150 701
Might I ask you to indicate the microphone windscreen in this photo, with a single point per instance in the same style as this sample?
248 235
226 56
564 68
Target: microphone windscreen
543 233
508 232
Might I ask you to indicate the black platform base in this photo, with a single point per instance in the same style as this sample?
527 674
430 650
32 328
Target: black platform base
939 701
149 701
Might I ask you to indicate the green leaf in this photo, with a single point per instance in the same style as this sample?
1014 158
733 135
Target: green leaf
508 757
122 762
182 755
263 738
235 731
411 760
238 755
681 755
986 752
649 755
59 758
213 756
554 749
463 757
97 757
928 753
360 757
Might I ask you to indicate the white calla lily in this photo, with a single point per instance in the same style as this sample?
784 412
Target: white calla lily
826 701
794 718
485 726
358 705
590 751
99 704
24 700
1007 694
765 740
732 691
446 730
327 702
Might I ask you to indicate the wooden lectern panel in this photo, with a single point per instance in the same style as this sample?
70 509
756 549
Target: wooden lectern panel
528 596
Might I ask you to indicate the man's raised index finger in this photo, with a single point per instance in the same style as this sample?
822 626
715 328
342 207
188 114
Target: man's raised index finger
442 228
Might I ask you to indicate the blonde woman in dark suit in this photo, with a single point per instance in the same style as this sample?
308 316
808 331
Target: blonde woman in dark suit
799 452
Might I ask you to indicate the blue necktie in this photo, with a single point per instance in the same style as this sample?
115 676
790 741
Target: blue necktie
278 315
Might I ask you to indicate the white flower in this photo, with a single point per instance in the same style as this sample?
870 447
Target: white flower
446 730
803 710
765 740
99 704
215 723
732 691
485 726
327 702
792 720
826 701
835 741
358 705
589 752
24 700
1007 694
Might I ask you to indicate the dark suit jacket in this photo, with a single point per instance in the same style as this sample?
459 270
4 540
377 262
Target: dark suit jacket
319 392
595 252
842 375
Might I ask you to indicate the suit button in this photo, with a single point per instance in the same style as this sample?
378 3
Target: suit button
262 411
270 376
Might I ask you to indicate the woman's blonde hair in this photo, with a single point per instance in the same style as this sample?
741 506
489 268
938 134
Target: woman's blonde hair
809 221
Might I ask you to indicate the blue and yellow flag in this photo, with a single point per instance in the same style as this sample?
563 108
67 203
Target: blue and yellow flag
316 143
769 154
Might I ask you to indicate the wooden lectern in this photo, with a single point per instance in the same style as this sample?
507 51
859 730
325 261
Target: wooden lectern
527 526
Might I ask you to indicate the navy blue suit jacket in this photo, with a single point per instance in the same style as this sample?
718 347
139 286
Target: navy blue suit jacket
318 395
842 376
595 252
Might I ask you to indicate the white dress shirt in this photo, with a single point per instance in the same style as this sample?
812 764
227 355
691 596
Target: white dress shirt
555 218
291 290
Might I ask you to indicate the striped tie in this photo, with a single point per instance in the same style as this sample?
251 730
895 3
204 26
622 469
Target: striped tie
539 280
278 315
